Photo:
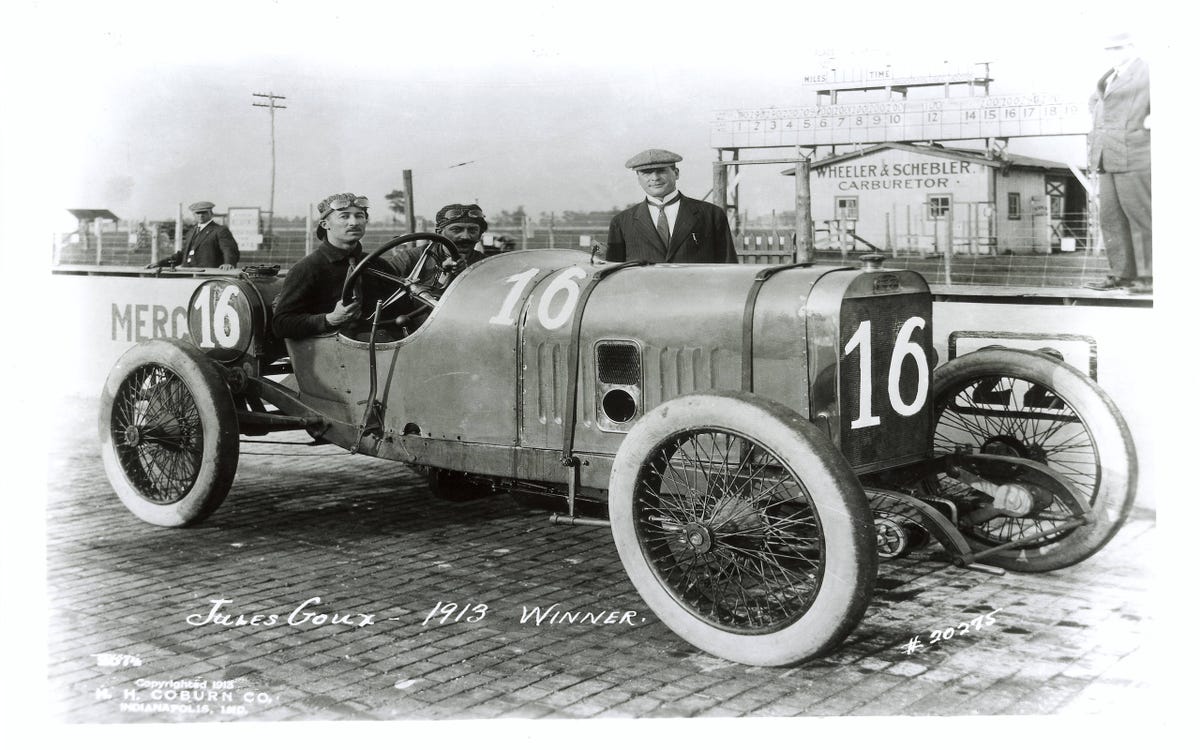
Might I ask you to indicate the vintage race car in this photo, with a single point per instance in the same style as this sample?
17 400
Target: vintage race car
755 437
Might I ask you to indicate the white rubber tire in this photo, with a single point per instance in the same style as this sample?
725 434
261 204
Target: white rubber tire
848 569
195 379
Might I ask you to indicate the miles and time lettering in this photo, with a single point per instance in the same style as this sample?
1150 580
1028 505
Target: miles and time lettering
880 122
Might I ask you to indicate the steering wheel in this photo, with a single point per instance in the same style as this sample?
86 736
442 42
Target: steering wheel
407 286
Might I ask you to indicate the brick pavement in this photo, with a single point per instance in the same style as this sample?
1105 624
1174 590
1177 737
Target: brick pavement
366 537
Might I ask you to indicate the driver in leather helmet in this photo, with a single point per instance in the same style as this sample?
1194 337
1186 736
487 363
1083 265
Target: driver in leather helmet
461 223
310 302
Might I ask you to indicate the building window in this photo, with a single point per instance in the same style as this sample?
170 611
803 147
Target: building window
1014 205
939 205
846 207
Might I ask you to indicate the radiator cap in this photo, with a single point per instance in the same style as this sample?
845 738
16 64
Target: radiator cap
872 261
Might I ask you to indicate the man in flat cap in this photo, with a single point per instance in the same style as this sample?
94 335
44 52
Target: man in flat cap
207 245
310 302
1119 150
668 227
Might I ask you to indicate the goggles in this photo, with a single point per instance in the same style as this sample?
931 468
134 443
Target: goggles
337 204
341 202
458 213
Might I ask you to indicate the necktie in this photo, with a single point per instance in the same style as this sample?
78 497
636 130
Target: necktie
662 225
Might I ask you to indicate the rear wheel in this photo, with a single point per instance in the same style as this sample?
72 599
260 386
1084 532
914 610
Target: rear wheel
168 433
743 528
1033 406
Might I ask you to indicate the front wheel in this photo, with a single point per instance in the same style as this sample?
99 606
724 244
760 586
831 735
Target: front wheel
743 528
168 433
1032 406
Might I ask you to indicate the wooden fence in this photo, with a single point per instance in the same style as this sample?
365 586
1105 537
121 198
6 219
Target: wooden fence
123 247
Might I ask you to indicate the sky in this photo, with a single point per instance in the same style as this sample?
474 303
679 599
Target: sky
140 108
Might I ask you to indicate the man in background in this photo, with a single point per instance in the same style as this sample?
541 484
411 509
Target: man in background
207 245
668 227
1119 150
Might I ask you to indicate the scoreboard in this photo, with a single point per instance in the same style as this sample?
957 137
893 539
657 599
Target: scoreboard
955 118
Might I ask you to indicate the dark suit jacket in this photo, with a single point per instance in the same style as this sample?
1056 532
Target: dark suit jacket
1119 142
701 235
208 248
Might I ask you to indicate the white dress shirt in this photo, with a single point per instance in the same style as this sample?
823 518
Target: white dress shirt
672 210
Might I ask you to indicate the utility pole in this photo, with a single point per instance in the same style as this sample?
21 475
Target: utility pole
408 201
270 104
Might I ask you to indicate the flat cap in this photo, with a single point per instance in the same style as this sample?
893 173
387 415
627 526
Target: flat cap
201 206
653 157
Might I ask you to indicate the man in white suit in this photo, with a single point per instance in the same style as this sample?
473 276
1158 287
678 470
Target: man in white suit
1119 150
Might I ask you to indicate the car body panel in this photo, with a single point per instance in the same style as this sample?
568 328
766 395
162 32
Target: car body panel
483 385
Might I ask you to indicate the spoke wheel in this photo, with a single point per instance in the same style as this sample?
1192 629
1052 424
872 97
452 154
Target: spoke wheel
157 433
1033 406
168 433
742 528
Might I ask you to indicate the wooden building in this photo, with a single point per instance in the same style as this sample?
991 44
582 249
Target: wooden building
919 199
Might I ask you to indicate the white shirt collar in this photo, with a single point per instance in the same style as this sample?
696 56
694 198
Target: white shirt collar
656 202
